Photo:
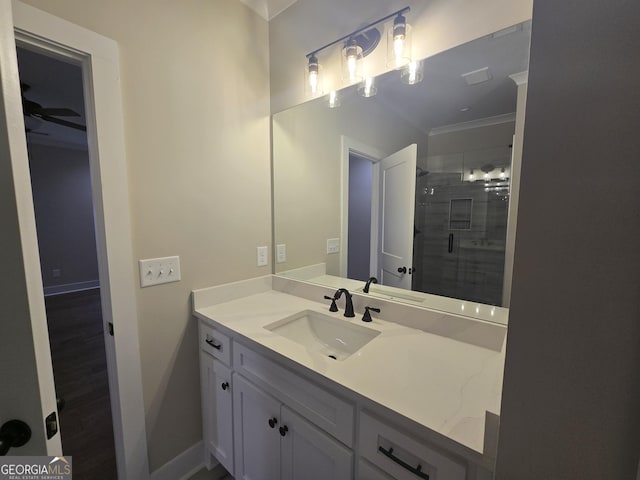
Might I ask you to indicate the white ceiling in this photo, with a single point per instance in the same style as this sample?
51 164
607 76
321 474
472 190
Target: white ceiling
268 9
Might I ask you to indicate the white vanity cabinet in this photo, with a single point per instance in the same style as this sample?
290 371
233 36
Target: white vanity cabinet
274 443
217 400
264 420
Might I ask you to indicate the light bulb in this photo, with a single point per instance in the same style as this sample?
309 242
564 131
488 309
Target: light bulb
413 69
351 65
398 47
313 81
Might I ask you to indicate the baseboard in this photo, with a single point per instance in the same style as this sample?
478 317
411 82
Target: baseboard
182 467
70 287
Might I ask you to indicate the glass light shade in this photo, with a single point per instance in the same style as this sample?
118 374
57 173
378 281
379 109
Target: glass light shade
367 87
313 78
398 43
352 62
412 73
334 99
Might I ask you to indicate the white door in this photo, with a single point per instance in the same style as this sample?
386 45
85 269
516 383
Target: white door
25 358
397 202
28 391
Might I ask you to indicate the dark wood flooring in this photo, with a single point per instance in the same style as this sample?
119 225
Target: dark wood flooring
80 373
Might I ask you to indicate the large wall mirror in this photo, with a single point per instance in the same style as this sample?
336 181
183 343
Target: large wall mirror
411 186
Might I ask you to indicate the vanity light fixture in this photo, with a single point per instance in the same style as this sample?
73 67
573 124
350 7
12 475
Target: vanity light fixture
356 46
399 42
313 78
352 55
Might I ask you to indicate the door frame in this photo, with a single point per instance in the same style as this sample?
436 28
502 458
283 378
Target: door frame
349 145
99 59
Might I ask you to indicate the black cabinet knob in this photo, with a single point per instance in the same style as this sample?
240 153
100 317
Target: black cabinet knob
283 430
225 385
273 422
402 269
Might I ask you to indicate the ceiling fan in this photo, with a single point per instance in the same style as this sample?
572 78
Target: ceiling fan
33 110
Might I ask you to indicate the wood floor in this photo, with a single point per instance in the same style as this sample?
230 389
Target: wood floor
80 373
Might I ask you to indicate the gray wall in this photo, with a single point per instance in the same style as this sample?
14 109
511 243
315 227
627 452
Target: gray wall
571 399
61 184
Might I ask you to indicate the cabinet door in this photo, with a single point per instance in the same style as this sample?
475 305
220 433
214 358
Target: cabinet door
217 408
257 441
309 453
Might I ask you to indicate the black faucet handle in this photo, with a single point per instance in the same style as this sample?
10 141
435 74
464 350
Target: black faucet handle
333 307
367 316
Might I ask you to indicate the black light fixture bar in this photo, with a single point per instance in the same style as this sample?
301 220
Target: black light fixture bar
360 30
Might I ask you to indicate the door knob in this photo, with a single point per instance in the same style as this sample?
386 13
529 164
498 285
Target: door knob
14 433
402 269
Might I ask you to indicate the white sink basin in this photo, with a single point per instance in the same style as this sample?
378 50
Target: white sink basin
330 336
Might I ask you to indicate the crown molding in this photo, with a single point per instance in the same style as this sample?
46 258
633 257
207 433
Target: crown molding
481 122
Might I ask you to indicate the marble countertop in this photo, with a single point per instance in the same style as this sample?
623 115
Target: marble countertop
443 384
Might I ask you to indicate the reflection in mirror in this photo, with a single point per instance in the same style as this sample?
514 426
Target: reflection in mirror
411 186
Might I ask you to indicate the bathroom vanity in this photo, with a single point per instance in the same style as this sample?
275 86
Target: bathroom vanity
393 401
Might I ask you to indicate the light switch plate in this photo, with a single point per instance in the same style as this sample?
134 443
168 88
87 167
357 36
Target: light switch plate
333 245
281 253
263 256
154 271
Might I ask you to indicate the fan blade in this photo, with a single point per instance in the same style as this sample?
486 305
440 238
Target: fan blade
58 112
64 123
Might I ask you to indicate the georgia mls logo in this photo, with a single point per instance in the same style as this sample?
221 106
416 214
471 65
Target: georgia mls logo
35 468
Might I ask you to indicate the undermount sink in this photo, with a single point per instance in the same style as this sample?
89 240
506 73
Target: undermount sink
330 336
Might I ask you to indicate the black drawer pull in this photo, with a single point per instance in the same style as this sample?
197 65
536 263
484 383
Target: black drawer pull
416 471
450 248
225 385
212 343
273 422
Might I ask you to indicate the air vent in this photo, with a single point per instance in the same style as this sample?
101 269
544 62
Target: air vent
477 76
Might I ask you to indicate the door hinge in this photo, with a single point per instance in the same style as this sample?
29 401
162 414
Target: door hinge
110 328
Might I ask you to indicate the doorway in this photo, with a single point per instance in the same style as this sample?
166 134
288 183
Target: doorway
55 123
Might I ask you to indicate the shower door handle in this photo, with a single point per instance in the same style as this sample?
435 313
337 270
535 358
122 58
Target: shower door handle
450 249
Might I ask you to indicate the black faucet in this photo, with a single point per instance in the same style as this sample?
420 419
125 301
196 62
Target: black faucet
348 306
368 284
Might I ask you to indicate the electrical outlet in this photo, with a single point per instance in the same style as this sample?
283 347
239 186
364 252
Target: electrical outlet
333 245
263 256
281 253
154 271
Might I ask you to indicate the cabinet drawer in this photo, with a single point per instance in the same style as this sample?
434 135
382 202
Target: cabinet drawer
329 412
366 471
215 343
402 456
